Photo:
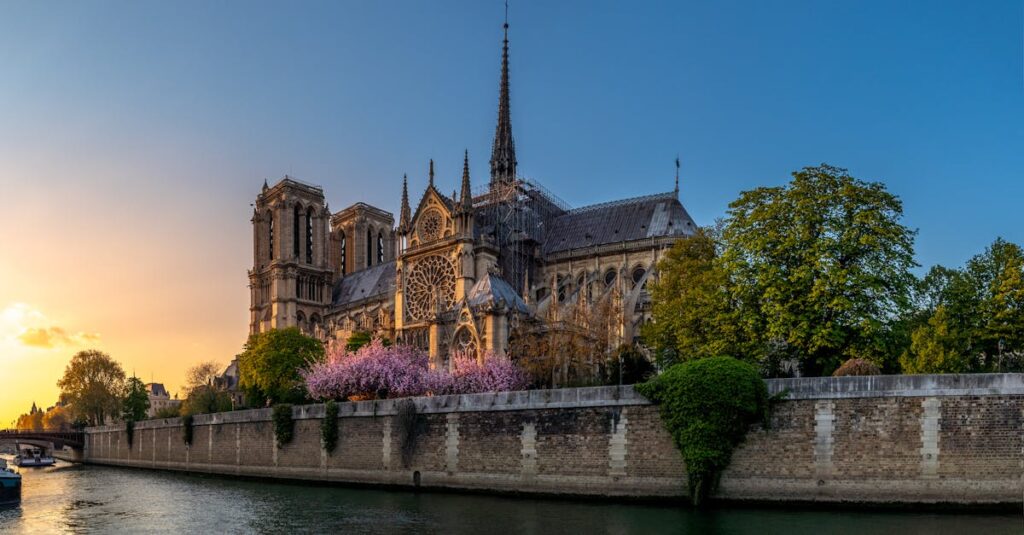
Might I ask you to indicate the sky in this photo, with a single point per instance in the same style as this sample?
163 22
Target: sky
135 135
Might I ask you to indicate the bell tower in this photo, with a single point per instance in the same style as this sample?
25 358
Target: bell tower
290 278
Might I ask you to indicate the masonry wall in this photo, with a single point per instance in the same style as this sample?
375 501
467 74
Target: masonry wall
936 439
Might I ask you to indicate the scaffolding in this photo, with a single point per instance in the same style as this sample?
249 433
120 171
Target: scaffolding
513 216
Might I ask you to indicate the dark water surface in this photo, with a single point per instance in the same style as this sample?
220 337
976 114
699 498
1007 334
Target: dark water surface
94 499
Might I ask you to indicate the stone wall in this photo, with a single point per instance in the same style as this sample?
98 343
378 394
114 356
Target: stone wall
923 439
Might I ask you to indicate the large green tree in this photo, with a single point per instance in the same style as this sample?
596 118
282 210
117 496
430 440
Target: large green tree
694 316
92 384
270 363
135 402
815 271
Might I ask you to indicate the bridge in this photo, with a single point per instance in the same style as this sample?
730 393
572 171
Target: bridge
53 441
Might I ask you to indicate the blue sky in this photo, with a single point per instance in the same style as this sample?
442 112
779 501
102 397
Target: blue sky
134 135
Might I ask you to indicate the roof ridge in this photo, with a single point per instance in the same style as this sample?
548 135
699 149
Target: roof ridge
619 202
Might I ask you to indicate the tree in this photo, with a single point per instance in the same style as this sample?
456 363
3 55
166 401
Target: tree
692 311
202 374
819 266
135 403
205 399
937 347
270 363
57 419
92 384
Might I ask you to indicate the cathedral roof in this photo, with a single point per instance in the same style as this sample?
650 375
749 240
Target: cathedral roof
372 282
492 289
651 216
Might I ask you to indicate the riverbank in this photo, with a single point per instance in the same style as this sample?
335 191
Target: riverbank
905 440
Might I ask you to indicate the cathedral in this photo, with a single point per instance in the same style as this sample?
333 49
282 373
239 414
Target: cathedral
472 272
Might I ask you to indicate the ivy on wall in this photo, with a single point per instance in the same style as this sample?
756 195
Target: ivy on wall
708 405
284 425
329 426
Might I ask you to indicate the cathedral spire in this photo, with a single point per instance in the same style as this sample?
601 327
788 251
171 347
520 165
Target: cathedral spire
466 198
677 175
403 219
503 152
431 183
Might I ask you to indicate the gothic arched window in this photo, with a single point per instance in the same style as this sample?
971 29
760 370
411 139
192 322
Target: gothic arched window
464 344
270 235
309 236
344 252
369 248
609 277
380 247
638 274
295 232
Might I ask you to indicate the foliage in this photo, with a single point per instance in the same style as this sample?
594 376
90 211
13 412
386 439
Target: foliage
359 339
57 419
186 429
814 271
469 376
170 411
970 319
284 425
206 399
635 367
857 366
30 421
92 384
708 405
378 371
129 430
329 426
694 315
202 374
269 366
135 403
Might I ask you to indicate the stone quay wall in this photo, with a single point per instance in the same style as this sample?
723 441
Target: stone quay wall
955 439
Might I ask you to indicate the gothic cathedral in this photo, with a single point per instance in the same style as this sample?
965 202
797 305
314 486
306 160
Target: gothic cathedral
476 272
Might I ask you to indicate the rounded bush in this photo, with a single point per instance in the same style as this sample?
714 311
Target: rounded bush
857 366
708 405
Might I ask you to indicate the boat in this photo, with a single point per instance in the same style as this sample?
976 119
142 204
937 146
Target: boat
10 484
33 456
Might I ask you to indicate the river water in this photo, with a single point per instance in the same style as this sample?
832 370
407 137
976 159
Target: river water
94 499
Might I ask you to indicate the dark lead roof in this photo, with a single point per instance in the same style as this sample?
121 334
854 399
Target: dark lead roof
372 282
491 290
626 220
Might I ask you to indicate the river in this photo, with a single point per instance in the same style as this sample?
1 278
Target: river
95 499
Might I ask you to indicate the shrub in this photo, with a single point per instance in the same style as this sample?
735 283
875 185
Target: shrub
856 366
329 426
186 429
707 405
379 371
171 411
468 376
284 426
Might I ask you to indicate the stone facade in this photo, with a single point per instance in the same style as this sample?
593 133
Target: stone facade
929 439
459 273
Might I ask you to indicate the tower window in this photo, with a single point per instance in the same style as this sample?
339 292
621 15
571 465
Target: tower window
309 236
380 247
369 248
270 235
295 232
344 252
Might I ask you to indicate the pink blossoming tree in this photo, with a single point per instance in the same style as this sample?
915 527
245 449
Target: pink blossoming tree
376 371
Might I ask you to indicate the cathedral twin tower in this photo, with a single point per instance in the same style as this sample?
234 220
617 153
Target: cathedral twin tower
459 274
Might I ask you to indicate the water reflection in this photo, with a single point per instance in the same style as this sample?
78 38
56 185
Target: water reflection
90 499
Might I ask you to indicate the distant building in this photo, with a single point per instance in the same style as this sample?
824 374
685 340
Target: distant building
228 382
159 399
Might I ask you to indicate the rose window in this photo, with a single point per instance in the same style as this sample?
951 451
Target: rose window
430 228
430 287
